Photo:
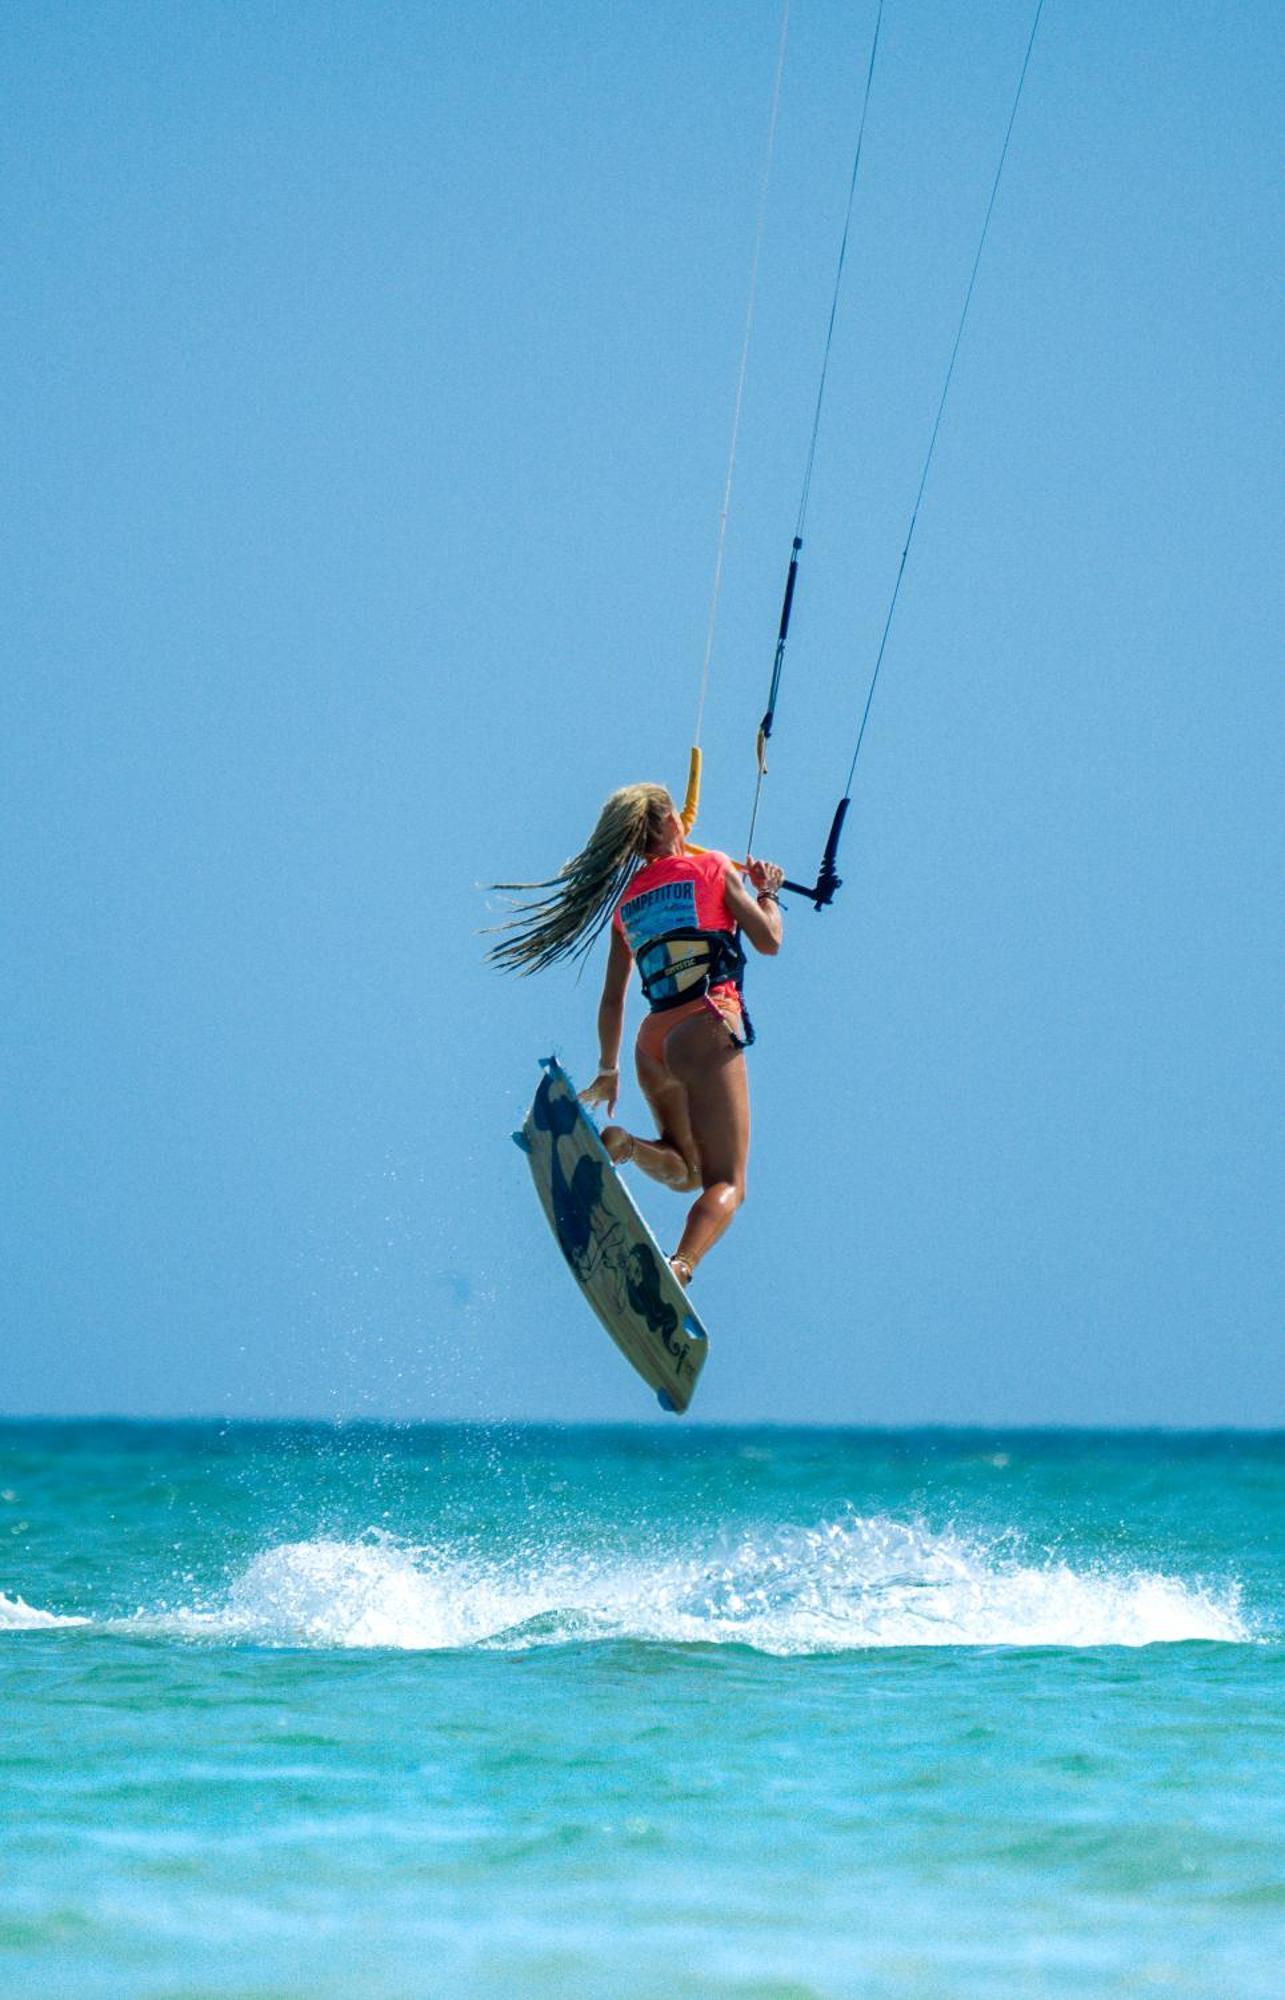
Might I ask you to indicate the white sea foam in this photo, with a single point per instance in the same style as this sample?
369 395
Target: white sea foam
18 1616
847 1585
373 1592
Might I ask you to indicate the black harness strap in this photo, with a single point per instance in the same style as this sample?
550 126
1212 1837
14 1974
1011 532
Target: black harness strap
717 957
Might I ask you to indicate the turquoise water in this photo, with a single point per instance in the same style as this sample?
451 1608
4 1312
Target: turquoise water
296 1710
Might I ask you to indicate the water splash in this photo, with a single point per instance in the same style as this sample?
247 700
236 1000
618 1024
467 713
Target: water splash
372 1592
18 1616
846 1585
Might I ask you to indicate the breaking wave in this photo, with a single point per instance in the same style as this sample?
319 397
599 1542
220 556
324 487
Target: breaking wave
17 1616
847 1585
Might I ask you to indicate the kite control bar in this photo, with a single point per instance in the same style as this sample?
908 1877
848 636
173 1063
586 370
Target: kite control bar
822 890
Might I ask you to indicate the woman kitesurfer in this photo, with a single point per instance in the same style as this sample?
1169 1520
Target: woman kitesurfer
679 914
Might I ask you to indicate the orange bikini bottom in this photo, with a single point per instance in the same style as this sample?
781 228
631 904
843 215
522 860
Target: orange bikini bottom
656 1029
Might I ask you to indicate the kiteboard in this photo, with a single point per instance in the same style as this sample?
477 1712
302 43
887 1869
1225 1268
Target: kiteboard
612 1254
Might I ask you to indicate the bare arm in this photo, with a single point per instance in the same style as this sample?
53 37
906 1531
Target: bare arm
759 916
605 1088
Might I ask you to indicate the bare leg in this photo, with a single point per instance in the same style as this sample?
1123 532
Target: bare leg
701 1099
659 1160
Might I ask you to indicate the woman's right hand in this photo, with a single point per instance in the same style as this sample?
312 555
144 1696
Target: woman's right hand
605 1089
765 876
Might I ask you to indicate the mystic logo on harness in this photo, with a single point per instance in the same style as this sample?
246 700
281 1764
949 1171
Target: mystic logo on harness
685 964
678 957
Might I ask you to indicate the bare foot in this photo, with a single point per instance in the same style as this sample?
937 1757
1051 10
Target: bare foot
619 1144
682 1270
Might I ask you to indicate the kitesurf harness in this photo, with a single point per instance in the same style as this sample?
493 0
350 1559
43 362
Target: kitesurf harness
684 965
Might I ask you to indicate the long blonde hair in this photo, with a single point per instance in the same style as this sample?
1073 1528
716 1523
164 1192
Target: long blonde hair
562 917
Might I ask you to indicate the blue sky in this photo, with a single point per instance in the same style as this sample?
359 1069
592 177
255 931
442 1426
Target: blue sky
367 383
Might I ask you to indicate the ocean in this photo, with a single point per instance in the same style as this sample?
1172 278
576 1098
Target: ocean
639 1713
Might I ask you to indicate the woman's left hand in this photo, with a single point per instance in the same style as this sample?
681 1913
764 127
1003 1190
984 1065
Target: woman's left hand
604 1089
764 875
